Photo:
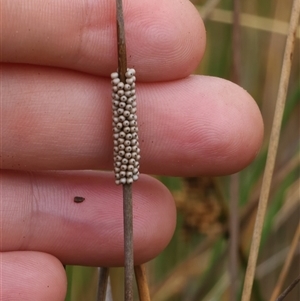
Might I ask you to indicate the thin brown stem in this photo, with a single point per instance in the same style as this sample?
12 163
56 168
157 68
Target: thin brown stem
122 57
127 188
128 241
102 283
288 289
140 275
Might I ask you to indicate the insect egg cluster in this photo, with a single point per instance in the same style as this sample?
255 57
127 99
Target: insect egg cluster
126 144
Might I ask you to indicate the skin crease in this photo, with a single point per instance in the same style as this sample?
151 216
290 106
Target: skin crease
56 58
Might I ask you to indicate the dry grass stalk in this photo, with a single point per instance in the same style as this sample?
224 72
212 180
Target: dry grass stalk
141 280
272 151
247 20
286 266
102 283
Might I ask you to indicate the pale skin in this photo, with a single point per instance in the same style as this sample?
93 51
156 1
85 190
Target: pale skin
56 60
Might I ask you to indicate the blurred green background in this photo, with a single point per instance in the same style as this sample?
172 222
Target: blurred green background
196 265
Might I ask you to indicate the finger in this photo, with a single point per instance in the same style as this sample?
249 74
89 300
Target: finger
165 39
32 276
62 120
39 213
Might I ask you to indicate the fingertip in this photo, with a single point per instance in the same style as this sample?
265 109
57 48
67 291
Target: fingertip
88 233
215 128
28 275
169 43
234 130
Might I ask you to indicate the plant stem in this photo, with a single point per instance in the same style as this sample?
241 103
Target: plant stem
122 57
140 275
289 289
102 283
128 241
127 188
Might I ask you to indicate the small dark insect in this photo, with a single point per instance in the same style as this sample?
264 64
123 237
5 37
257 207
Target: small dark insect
78 199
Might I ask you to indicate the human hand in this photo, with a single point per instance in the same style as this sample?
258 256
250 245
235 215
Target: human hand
56 59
